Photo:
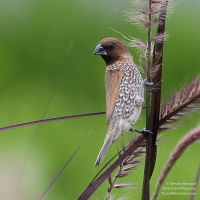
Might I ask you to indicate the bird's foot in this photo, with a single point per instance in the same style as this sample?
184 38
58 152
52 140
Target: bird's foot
146 83
144 131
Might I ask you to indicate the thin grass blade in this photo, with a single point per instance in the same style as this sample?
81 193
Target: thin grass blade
48 120
61 171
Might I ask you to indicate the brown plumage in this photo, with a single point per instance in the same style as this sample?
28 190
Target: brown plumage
124 91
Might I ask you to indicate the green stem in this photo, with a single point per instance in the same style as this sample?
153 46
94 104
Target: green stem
146 185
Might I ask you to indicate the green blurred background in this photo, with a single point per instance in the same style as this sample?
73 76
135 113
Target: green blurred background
34 39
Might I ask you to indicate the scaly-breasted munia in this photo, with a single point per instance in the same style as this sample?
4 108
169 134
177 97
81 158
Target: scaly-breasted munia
124 91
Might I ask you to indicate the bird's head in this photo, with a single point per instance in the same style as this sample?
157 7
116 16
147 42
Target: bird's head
112 50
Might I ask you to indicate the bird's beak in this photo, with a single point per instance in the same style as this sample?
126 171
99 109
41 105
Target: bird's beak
99 50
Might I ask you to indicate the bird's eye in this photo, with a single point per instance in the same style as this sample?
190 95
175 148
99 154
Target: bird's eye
110 46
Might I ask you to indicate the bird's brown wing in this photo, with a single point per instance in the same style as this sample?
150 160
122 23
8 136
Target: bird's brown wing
113 81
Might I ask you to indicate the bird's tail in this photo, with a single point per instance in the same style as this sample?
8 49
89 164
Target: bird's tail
108 142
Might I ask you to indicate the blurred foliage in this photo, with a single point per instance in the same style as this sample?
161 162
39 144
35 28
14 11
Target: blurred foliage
34 40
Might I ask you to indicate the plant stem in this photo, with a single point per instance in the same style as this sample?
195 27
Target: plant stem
146 186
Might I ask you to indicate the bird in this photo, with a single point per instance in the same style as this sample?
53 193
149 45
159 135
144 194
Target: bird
124 91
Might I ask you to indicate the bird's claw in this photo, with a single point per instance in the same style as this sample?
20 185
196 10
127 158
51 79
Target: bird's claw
144 131
146 83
